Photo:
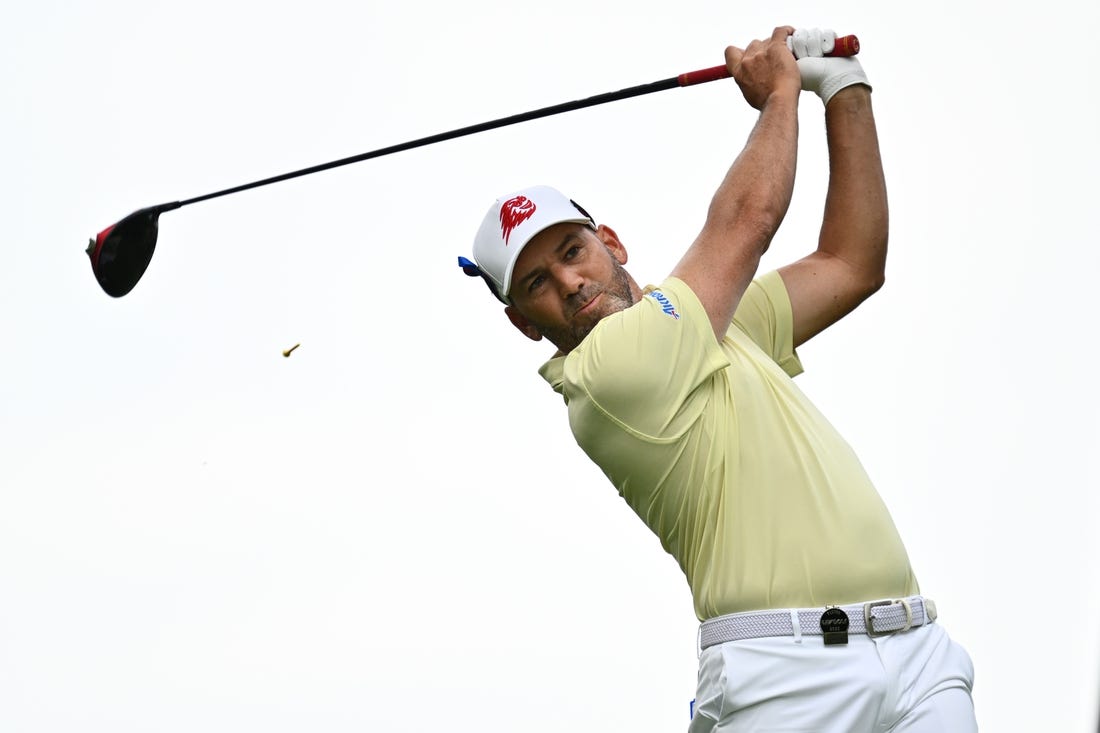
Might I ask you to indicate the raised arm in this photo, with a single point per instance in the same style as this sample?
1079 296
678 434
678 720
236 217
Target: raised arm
850 261
752 199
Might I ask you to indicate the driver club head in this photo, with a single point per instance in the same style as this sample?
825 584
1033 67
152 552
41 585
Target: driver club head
121 252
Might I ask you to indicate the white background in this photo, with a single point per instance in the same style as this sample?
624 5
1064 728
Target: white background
392 529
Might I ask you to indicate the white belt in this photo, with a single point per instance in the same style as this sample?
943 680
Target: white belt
876 618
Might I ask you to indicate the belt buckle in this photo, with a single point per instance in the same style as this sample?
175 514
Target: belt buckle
869 620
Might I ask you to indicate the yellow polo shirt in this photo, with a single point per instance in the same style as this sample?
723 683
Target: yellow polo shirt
747 485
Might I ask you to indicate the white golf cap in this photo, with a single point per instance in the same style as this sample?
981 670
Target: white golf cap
513 221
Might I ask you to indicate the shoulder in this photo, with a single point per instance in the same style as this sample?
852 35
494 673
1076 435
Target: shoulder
765 316
667 320
647 359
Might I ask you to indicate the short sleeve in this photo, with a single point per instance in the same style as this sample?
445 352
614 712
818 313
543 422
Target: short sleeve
644 367
764 315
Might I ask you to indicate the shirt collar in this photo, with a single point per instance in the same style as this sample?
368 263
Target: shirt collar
553 372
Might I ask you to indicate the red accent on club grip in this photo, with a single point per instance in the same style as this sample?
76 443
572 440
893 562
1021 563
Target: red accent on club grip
845 46
701 76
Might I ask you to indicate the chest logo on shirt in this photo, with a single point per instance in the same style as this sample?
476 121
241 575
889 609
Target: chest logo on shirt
514 212
664 302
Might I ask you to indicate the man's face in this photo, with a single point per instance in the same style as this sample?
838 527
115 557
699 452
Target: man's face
566 280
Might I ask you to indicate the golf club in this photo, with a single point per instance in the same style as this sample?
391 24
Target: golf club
121 253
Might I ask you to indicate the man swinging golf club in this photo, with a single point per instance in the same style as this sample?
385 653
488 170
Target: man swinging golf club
812 619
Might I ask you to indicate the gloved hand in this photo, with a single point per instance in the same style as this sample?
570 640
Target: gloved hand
813 42
824 76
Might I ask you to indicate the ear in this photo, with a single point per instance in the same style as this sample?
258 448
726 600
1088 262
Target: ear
611 240
519 321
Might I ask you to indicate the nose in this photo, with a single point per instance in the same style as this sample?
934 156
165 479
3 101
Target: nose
570 282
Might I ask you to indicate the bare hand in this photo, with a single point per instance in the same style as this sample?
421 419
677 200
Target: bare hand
765 68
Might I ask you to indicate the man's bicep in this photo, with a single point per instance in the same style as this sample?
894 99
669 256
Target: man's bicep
822 289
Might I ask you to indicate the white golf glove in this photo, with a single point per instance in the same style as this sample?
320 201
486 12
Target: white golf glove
824 76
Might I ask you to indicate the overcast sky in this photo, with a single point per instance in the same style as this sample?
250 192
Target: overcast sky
393 529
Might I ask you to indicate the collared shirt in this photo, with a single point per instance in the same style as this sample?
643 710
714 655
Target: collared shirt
746 484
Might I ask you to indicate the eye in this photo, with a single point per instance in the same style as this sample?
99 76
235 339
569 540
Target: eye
536 283
572 252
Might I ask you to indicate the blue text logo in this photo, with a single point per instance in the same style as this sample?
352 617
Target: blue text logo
666 304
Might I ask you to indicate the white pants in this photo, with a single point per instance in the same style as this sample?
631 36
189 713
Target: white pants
918 681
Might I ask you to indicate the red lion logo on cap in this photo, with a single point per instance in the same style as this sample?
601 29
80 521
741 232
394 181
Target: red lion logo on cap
514 212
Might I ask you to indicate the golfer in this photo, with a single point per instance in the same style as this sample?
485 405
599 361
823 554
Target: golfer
812 619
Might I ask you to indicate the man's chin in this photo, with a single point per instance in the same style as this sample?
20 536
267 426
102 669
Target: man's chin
606 305
586 320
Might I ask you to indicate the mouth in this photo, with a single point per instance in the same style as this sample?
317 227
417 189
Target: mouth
587 307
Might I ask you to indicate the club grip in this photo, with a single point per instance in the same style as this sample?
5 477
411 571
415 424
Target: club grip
702 76
844 46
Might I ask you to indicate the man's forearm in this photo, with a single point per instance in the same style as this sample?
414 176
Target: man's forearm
758 186
856 223
744 213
